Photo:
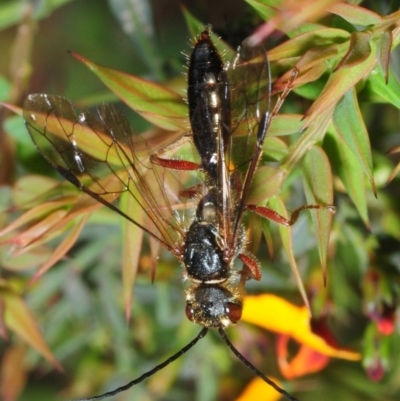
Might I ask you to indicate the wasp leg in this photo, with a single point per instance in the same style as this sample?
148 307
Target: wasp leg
174 164
251 265
272 215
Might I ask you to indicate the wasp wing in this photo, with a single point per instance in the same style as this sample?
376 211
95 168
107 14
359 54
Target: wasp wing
104 158
250 83
249 80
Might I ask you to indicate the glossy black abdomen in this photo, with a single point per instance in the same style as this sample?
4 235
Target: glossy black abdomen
208 101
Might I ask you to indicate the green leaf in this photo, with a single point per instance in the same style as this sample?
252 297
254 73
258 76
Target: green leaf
297 46
266 183
317 178
62 248
277 204
350 126
388 92
136 19
5 88
355 15
307 27
157 104
195 27
265 11
132 244
35 214
23 260
285 124
31 188
15 127
340 82
274 148
359 50
347 167
377 350
316 127
13 12
384 48
19 319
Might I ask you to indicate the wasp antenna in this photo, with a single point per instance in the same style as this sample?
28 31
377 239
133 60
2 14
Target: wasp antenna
150 372
249 365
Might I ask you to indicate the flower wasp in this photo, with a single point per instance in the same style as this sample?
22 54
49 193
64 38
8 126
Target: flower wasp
230 114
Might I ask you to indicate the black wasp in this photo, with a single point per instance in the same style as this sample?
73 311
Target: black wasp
230 113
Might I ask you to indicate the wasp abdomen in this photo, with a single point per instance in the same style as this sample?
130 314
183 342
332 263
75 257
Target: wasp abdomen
207 86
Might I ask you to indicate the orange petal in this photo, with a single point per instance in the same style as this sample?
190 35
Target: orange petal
305 361
258 390
276 314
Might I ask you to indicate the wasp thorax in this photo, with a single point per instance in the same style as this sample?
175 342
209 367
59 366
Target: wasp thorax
202 256
213 306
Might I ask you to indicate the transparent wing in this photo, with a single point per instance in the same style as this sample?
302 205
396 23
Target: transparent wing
250 99
250 93
104 158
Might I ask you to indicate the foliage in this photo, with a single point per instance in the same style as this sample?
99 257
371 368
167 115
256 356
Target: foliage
60 251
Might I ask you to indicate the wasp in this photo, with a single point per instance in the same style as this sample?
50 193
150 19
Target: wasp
230 113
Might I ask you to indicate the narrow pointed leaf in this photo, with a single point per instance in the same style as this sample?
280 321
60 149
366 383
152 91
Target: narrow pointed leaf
264 10
297 46
13 372
287 16
19 319
285 124
355 15
62 249
346 166
350 126
314 132
31 188
268 235
157 104
387 91
34 214
384 49
266 183
275 148
340 82
132 237
136 19
39 229
393 174
23 259
196 26
359 50
286 236
318 186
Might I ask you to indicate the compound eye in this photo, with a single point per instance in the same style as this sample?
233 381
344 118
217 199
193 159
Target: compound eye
189 312
233 311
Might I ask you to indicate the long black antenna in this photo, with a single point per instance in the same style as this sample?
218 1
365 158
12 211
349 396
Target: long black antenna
249 365
150 372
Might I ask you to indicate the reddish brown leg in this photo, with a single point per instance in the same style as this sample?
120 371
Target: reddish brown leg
191 192
253 268
174 164
277 218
